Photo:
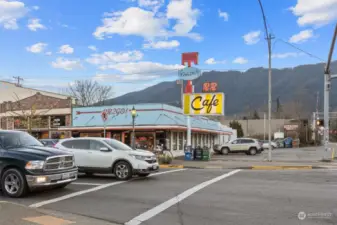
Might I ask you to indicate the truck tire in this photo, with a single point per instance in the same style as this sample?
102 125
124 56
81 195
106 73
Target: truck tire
13 183
123 170
252 151
225 151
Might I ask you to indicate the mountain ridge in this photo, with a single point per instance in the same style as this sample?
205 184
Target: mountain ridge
247 91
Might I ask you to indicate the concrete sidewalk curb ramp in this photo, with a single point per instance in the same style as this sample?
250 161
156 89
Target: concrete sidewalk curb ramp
18 214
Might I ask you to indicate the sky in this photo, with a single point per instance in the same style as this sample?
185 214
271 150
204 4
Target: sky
133 44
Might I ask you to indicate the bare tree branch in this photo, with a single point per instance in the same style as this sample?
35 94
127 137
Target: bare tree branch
89 92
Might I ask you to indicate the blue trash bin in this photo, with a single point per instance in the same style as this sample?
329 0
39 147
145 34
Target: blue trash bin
188 156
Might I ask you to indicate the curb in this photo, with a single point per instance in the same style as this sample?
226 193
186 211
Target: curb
306 167
256 167
171 166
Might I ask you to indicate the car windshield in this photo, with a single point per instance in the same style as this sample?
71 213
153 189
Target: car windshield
118 145
17 139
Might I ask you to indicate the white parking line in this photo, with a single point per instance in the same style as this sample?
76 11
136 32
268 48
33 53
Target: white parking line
89 184
165 205
39 204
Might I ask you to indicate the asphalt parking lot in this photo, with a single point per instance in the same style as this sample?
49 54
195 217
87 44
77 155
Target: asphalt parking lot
198 197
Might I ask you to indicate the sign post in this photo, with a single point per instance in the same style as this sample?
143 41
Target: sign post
104 116
189 73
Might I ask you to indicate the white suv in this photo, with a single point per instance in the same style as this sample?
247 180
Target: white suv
248 145
104 155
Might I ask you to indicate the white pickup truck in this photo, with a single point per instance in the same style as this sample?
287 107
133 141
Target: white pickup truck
249 146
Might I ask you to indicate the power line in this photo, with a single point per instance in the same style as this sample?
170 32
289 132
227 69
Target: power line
301 50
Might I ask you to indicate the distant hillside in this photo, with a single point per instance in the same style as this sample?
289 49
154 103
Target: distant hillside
247 91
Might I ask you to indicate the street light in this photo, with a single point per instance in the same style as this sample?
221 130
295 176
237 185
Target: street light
133 114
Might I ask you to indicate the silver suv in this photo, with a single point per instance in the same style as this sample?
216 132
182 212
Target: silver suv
249 146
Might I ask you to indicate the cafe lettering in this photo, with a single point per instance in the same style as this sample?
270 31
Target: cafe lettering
204 104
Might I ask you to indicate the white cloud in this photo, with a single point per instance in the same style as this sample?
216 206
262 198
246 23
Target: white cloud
10 12
35 7
92 47
162 44
107 58
37 48
149 24
315 12
186 17
67 64
34 25
66 49
124 78
132 21
154 5
140 71
48 53
252 37
212 61
224 15
286 55
302 36
240 60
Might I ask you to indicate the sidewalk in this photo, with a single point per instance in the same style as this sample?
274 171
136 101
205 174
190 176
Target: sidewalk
11 213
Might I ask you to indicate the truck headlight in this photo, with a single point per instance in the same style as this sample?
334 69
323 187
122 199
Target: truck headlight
139 157
34 165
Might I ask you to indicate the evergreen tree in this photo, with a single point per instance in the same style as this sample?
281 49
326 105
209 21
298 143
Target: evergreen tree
237 126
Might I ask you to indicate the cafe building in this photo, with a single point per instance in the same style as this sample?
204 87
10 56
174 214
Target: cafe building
154 125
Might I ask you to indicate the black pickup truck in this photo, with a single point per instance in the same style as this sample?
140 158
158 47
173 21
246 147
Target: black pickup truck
26 165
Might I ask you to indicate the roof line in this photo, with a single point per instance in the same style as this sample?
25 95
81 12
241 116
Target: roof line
36 89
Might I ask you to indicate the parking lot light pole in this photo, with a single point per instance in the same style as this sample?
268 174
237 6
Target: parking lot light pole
133 114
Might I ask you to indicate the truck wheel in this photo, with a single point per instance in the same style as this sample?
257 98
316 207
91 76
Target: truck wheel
13 183
123 170
252 151
225 151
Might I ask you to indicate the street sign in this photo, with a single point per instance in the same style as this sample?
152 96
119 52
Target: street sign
104 116
189 73
204 104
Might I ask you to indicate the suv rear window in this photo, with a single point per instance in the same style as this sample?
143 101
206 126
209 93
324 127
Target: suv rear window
247 141
77 144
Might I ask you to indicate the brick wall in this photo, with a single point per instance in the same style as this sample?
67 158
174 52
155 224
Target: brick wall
37 101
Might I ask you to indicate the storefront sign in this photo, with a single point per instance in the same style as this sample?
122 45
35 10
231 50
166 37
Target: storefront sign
57 121
116 111
209 87
189 73
204 104
291 127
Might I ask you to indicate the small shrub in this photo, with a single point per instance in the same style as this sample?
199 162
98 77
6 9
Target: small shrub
164 159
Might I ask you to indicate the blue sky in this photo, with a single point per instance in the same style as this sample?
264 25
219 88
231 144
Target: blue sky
132 44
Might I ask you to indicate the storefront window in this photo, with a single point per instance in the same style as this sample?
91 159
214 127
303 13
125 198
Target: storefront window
199 139
175 140
145 140
180 141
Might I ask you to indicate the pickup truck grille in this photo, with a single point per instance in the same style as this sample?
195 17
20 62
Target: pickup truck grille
59 162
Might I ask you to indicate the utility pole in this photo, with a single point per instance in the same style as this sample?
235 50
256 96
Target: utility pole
18 79
269 38
327 85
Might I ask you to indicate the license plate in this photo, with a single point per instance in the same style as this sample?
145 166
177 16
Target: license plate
65 176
